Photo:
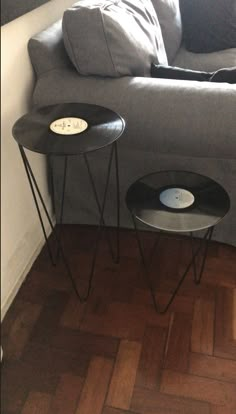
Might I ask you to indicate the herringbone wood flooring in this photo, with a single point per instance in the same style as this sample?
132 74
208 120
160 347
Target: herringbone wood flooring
114 354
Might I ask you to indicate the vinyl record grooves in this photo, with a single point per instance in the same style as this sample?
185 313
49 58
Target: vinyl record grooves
178 201
33 131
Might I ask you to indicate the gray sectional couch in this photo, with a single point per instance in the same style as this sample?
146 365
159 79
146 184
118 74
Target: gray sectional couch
170 124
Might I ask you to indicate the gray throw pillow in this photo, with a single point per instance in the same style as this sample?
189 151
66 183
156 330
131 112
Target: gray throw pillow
168 14
113 38
209 25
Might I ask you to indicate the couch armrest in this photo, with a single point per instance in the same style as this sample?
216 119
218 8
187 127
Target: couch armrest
166 116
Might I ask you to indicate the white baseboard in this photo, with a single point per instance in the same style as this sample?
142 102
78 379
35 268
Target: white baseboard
21 277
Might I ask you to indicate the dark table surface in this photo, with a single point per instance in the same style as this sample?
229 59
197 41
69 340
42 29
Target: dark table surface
207 201
32 131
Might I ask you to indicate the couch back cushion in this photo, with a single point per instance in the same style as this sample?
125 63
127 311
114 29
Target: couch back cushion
113 38
168 14
209 25
209 62
47 51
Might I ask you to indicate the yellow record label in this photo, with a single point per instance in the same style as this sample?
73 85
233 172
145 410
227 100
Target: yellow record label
68 126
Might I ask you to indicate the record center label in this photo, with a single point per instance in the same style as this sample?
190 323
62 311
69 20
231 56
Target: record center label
69 126
176 198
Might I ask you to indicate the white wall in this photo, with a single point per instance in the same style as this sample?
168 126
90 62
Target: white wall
20 229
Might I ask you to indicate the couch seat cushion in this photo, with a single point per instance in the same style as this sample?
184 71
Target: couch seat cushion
113 38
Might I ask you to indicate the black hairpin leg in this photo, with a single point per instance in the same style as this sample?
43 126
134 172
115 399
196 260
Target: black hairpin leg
101 223
206 239
155 245
117 204
101 220
62 200
50 179
114 148
97 202
35 191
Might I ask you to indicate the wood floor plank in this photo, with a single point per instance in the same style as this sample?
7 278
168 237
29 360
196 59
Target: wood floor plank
226 252
115 354
199 388
14 389
21 330
181 304
216 267
234 315
49 277
212 367
37 403
67 394
76 341
95 387
123 378
203 291
50 316
225 345
222 409
203 326
124 320
11 315
73 313
146 401
56 361
111 410
177 353
19 377
151 360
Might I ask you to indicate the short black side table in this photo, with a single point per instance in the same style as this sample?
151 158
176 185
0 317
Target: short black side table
64 130
177 202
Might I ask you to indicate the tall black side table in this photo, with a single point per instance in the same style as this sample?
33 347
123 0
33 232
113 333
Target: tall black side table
177 202
64 130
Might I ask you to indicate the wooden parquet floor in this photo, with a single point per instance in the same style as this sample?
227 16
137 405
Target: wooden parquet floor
114 354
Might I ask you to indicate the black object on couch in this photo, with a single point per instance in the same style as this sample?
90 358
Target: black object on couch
172 72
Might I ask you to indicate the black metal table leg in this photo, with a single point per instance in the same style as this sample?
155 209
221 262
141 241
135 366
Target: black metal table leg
50 178
44 130
117 203
35 191
197 277
206 239
116 260
94 190
146 270
101 222
65 158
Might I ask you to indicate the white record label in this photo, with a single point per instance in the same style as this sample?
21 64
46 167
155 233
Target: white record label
176 198
68 126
